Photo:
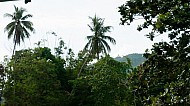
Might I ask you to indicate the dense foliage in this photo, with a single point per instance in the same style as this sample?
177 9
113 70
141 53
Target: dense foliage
38 77
34 79
171 16
164 78
104 85
42 79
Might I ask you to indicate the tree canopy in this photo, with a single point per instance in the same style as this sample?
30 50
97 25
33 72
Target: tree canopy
164 78
171 16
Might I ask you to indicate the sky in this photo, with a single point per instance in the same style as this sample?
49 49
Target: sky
69 20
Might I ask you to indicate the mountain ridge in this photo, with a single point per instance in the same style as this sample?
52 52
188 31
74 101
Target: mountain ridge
136 59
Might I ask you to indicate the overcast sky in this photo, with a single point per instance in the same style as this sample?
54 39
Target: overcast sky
69 19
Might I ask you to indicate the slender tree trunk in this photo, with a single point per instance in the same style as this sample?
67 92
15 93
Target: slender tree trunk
86 59
82 66
14 40
97 56
14 56
97 52
14 49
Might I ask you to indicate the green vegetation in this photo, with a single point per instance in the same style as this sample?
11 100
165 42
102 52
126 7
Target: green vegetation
135 58
19 27
164 78
43 79
38 77
97 41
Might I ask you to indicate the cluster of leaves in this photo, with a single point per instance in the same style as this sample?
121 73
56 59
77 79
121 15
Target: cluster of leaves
162 15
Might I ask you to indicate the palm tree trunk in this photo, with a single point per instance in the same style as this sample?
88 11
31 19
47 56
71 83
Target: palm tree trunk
86 59
97 56
82 67
14 56
14 49
97 52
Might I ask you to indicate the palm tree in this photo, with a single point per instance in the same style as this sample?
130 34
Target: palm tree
19 27
97 41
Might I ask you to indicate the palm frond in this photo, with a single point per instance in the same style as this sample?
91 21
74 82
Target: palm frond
106 29
16 8
103 49
87 45
90 37
91 28
8 15
11 31
25 32
26 17
106 45
18 13
22 10
9 26
28 25
112 40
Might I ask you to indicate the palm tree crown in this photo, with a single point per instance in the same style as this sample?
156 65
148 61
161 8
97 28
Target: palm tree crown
97 42
19 27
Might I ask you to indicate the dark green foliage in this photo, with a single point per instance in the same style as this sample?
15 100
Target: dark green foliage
81 94
39 79
162 16
104 86
2 80
59 49
164 78
42 79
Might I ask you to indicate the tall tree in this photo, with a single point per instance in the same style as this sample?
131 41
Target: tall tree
19 28
97 41
164 78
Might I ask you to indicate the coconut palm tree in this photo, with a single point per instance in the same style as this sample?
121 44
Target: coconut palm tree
97 41
19 27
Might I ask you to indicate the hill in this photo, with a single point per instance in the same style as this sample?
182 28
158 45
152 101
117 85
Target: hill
136 59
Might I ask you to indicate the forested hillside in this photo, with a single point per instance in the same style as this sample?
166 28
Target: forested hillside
136 59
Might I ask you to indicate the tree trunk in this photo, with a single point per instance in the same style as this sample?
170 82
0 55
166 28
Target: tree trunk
14 56
82 67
